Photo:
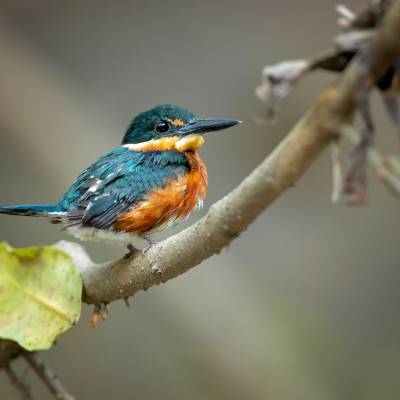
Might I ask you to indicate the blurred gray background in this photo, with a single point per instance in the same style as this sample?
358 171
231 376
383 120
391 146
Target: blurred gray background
304 305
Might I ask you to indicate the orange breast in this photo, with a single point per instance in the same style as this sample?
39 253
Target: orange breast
176 200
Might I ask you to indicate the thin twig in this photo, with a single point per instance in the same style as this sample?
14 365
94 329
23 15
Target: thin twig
337 173
394 164
22 388
382 167
48 377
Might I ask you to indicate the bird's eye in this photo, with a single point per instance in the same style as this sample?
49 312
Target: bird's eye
162 126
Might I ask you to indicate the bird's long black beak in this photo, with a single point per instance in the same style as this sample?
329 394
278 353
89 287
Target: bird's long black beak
202 126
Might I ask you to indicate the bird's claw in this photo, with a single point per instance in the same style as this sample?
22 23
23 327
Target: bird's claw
147 248
151 243
131 251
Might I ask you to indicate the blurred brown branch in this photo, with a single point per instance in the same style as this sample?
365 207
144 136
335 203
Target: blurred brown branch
21 387
48 377
8 351
385 168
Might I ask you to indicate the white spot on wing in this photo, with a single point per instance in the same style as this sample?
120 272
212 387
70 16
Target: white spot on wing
95 187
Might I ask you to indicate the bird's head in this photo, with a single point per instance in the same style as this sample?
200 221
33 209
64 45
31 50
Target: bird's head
169 127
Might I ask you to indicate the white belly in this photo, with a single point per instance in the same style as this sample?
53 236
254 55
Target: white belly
87 234
100 235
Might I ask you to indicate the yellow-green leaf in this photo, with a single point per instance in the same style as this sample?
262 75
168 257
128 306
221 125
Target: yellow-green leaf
40 295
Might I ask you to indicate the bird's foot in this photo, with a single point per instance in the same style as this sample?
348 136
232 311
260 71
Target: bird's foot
151 242
131 251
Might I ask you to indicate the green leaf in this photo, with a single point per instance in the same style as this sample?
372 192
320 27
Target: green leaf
40 295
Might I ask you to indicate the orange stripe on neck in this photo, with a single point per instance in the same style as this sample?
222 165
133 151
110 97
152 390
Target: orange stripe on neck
168 143
162 144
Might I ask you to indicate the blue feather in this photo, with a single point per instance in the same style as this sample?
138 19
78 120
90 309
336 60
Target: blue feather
115 182
109 187
32 209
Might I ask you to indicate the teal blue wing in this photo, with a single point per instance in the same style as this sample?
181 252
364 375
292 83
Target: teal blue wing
117 181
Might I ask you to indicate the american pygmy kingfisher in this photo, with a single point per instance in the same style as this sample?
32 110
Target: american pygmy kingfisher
154 178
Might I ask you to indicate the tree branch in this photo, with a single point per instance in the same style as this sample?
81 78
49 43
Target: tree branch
8 351
229 217
21 387
48 377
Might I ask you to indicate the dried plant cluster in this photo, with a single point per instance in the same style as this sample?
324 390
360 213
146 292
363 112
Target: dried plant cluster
357 31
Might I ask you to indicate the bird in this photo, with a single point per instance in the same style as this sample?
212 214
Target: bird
148 183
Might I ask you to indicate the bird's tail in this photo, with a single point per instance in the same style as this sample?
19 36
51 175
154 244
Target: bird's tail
33 210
